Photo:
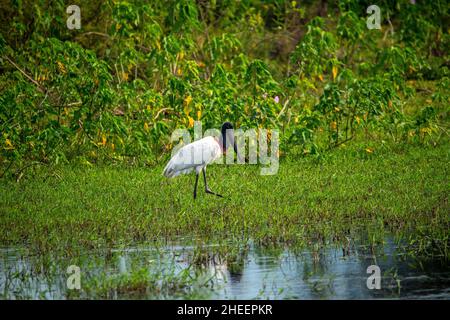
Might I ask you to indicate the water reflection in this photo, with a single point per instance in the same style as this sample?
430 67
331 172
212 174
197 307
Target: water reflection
325 273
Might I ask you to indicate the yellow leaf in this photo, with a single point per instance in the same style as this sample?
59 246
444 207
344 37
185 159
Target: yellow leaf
334 72
199 114
146 126
321 77
61 67
337 109
191 122
187 100
113 146
9 144
369 150
333 125
148 108
103 140
124 76
179 72
358 119
269 135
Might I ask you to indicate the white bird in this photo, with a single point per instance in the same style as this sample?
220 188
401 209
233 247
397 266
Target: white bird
198 154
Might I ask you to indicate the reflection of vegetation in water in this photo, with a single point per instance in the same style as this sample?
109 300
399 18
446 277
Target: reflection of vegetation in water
174 272
104 278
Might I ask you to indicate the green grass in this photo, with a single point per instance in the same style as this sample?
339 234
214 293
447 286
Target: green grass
403 191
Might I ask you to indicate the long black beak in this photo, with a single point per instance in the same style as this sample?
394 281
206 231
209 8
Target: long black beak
232 141
237 152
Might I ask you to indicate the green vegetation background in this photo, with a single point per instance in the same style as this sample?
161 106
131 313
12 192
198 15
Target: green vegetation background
362 114
116 89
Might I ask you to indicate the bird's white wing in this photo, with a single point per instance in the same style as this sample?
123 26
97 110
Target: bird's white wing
195 155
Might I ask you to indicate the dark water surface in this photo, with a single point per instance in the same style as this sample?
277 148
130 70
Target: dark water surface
328 273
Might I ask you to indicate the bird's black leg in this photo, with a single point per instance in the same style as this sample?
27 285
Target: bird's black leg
195 186
207 190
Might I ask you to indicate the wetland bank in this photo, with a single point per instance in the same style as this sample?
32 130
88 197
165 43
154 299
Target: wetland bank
309 232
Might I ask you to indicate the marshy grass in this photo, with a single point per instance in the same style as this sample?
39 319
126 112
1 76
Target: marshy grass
65 215
309 200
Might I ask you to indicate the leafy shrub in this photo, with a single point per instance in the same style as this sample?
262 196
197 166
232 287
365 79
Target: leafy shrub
115 90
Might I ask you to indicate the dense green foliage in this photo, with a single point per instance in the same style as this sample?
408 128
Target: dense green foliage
115 89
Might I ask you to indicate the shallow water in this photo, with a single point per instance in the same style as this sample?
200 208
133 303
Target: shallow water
326 273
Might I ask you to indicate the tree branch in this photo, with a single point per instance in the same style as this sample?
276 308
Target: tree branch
26 75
